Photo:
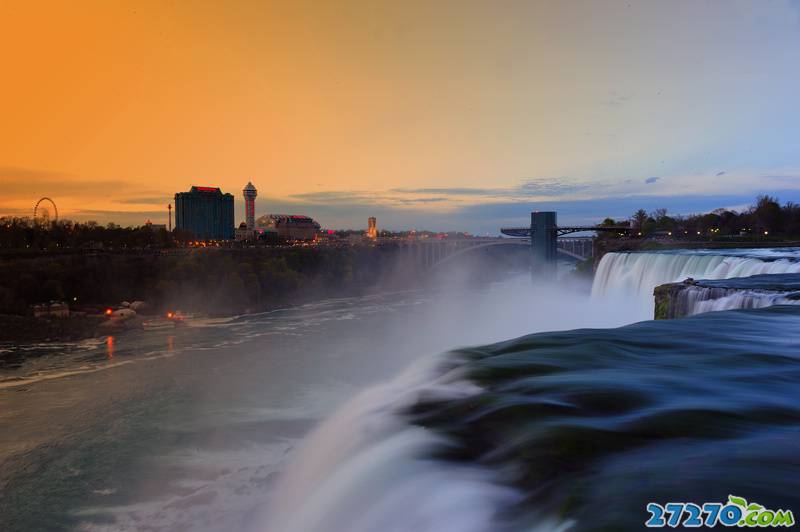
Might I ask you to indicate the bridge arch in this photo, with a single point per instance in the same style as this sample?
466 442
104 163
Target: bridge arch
501 242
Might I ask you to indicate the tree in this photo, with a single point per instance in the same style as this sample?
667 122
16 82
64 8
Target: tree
768 214
638 219
659 214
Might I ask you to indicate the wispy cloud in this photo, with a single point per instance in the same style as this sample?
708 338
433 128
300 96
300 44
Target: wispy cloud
147 200
27 181
527 189
326 196
651 180
554 187
453 191
785 178
350 197
615 100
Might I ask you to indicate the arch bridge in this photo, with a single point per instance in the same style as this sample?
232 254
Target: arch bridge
433 252
544 237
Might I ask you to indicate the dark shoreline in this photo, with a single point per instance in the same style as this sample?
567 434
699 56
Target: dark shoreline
27 329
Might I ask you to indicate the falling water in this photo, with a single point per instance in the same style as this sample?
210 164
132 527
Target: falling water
633 276
699 299
542 432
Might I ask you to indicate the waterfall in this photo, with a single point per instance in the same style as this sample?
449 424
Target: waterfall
633 276
698 299
369 468
366 452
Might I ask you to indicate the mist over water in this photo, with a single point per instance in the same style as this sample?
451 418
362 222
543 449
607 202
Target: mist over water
469 451
354 415
188 429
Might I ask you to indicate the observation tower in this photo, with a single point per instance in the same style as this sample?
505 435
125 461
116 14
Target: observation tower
250 194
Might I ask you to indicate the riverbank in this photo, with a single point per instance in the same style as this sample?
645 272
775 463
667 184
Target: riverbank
27 329
212 283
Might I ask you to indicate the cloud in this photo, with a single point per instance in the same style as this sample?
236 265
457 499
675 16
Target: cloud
124 218
651 180
147 200
794 179
30 182
720 173
553 187
15 211
529 188
454 191
350 197
615 100
426 200
104 213
327 196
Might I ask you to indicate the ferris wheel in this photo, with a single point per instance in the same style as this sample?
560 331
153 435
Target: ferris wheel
41 213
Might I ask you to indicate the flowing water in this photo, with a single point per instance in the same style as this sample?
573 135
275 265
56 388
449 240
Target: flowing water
632 276
344 416
757 291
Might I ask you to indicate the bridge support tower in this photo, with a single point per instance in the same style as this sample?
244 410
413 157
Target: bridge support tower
544 232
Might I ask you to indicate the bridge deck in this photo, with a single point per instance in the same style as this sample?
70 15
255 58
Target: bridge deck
564 230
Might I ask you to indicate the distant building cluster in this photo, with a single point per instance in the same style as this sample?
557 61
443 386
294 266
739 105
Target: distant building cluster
208 214
289 226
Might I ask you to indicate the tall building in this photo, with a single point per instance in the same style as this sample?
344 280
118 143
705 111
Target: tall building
205 212
250 194
372 227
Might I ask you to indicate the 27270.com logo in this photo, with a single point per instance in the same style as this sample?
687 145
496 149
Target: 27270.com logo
736 512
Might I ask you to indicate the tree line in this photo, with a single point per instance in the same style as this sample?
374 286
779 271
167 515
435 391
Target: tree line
25 233
765 217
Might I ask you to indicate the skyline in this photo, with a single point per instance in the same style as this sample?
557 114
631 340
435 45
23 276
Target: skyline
445 116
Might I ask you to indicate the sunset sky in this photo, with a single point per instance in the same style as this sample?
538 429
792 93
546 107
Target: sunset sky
430 114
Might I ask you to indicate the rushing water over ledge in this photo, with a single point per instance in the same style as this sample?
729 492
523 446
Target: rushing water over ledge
633 276
571 430
576 429
700 299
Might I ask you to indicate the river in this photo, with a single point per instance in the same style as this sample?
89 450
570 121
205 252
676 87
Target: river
374 413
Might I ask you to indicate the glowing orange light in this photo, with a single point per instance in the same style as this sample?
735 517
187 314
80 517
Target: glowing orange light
109 312
170 315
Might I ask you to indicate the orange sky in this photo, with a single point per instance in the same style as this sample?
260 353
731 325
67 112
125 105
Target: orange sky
113 106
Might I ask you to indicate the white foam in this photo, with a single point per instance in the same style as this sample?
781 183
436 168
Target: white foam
633 276
365 469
